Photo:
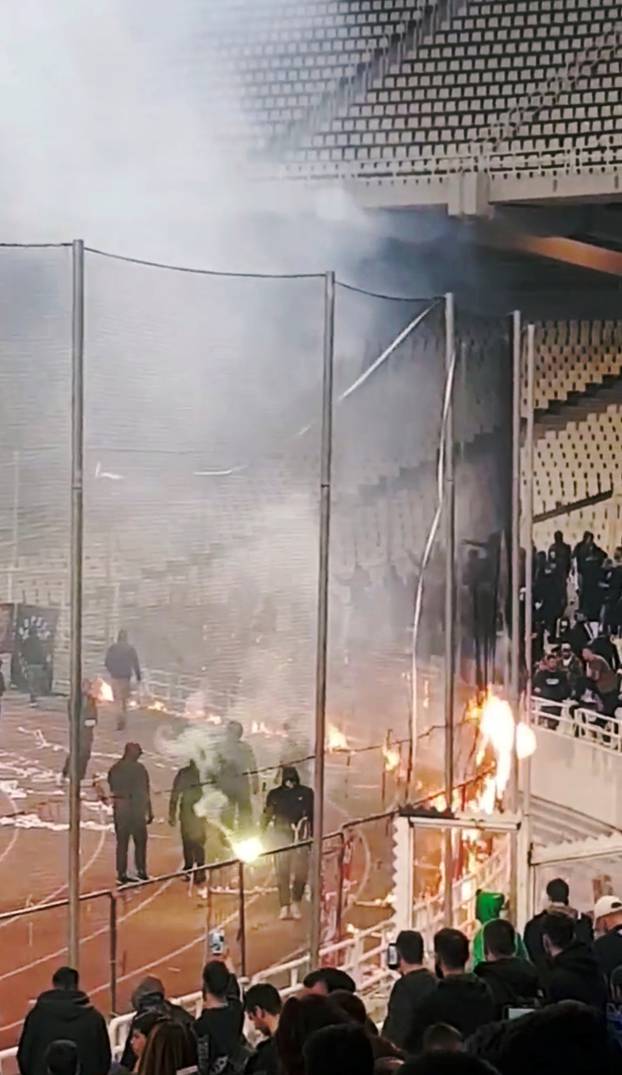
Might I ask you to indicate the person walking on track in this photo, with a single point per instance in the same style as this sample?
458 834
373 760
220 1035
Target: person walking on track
88 723
129 786
289 811
186 794
121 664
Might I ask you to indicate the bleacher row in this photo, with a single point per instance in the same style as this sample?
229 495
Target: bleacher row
496 80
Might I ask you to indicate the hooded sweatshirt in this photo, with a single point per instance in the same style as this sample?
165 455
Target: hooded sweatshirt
68 1014
220 1040
575 975
512 981
461 1000
533 933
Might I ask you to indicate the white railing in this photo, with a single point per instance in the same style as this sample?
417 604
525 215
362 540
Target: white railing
569 718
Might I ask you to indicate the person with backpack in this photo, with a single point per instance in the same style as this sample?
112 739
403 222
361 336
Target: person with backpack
222 1048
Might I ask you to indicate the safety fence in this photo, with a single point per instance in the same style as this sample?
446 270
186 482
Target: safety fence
571 719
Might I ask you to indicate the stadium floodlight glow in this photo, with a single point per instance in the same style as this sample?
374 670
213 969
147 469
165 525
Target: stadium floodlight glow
248 850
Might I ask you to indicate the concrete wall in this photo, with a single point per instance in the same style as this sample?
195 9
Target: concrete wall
578 775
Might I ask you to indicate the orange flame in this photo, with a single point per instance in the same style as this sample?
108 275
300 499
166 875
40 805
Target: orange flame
335 739
391 758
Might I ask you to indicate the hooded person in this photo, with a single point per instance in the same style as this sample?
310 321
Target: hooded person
460 999
129 786
573 972
512 980
121 664
558 894
289 814
488 908
64 1012
150 997
186 794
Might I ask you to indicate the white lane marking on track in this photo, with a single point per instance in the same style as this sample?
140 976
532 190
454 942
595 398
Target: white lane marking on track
13 840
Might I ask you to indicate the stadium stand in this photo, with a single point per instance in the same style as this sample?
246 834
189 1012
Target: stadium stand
572 356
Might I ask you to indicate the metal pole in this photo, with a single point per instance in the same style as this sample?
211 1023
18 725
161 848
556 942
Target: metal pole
113 952
528 537
75 643
242 920
450 554
15 527
515 591
322 617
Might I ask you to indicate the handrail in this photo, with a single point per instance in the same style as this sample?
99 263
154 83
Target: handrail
570 718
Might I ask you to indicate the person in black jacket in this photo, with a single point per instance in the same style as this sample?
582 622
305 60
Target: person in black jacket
512 981
263 1004
64 1012
88 723
219 1028
551 684
121 664
461 1000
149 998
558 894
131 799
289 812
186 794
411 988
573 972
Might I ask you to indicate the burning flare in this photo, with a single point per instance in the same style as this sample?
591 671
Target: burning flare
391 758
335 739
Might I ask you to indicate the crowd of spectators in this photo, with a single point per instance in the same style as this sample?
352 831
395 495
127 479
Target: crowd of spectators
551 1004
577 620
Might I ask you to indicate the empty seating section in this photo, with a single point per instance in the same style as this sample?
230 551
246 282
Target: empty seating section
579 460
573 355
279 57
452 100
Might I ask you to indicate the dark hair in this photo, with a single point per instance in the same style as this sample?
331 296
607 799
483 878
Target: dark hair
409 945
235 729
332 977
499 937
557 890
452 948
216 979
558 534
61 1057
559 928
337 1050
263 996
144 1022
568 1037
350 1005
147 989
66 978
441 1037
447 1063
300 1017
170 1047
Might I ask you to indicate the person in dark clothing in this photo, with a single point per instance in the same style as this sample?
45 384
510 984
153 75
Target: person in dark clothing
338 1050
64 1012
121 664
263 1004
573 971
301 1016
558 895
61 1058
608 945
561 552
289 812
612 612
33 657
551 684
88 723
235 777
573 668
149 998
461 1000
590 559
219 1028
131 798
512 981
410 989
186 794
578 635
327 980
2 687
447 1063
603 647
602 679
548 605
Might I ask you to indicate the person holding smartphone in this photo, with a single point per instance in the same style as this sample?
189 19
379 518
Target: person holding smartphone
413 985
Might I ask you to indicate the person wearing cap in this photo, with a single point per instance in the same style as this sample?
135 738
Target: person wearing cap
289 813
608 926
131 797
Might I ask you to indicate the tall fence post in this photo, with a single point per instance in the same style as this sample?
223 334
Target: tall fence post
242 917
75 651
322 616
450 555
113 952
515 591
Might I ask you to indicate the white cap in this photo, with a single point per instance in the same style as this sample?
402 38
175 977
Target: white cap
606 905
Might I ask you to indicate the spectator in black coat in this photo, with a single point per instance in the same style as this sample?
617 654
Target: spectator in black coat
338 1050
558 895
326 980
461 1000
263 1005
512 981
573 972
219 1028
561 553
608 924
64 1012
551 684
150 997
411 988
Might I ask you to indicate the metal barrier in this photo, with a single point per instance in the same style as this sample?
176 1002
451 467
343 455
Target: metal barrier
569 718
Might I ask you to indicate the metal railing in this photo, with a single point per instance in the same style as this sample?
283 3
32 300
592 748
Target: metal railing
571 719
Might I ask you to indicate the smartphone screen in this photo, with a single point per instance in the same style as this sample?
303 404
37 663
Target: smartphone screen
516 1013
393 959
216 942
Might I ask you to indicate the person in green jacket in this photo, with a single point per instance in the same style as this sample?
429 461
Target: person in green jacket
489 905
